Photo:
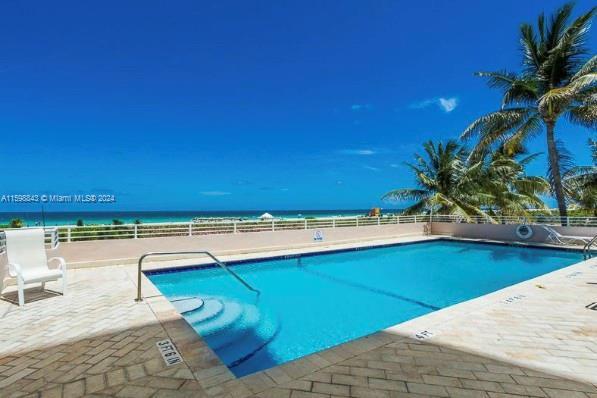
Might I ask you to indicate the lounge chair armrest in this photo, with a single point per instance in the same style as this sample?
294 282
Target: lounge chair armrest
14 269
61 262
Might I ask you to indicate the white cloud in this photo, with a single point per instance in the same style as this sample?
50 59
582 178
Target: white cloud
371 168
394 165
422 104
215 193
361 107
362 152
446 104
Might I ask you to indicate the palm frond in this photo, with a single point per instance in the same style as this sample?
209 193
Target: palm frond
589 67
566 46
416 208
557 24
496 123
556 100
515 89
530 128
584 115
406 194
530 46
530 158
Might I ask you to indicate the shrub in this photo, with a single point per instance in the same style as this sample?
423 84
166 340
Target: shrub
16 223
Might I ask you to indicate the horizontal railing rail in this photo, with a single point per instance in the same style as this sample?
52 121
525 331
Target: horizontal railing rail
72 233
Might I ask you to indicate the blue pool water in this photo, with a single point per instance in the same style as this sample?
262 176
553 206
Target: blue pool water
323 300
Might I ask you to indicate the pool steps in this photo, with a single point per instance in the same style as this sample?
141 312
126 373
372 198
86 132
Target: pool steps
251 344
211 309
234 330
221 323
187 304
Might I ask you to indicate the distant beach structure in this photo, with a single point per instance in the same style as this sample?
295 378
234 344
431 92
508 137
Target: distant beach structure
266 216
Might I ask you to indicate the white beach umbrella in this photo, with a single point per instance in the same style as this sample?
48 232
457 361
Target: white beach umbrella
266 216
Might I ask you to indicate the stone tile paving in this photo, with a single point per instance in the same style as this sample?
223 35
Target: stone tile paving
96 341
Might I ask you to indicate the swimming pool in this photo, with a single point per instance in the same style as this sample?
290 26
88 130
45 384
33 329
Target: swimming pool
314 302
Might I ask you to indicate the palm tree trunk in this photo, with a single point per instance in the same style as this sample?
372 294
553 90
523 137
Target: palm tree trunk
554 162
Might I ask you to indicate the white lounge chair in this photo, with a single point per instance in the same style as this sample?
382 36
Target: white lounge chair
554 236
28 262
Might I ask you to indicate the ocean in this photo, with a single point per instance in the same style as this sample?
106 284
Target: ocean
107 217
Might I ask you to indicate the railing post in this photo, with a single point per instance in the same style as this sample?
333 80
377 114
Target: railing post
333 224
190 229
68 234
378 220
135 231
273 226
415 219
305 223
235 230
397 219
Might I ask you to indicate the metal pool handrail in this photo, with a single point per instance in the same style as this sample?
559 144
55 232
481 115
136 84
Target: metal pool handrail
587 249
218 262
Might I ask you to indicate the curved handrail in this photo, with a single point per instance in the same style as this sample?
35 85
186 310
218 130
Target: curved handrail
218 262
586 250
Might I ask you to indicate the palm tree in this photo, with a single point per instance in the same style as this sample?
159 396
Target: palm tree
555 81
509 189
446 183
580 183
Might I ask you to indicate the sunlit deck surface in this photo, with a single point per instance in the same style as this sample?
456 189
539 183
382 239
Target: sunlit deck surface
536 338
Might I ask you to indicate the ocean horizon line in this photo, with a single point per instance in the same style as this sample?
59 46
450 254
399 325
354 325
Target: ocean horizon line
86 217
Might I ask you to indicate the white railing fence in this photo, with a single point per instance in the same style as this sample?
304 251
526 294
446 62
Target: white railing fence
533 219
72 233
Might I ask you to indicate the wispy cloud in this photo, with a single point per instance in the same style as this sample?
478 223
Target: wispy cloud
445 104
422 104
371 168
215 193
394 165
361 152
448 104
361 107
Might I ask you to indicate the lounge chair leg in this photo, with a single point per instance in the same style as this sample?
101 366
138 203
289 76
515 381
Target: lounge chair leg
21 288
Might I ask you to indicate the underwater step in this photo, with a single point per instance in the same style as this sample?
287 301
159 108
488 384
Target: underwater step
225 319
187 304
211 308
249 320
249 343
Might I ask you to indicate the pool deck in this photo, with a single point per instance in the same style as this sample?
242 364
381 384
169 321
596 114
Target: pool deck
536 338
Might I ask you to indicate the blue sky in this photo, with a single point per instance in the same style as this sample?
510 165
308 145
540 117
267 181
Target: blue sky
214 105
